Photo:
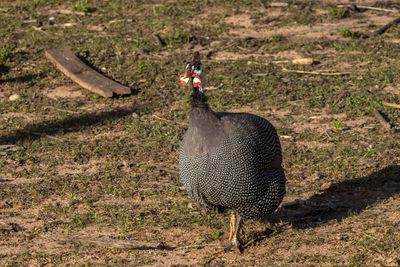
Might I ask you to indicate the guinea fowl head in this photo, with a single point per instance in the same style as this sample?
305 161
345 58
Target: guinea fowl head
194 71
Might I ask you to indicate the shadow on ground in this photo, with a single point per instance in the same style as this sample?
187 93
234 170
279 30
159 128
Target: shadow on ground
23 78
350 197
70 124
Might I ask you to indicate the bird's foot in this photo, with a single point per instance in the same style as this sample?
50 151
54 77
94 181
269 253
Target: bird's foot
237 247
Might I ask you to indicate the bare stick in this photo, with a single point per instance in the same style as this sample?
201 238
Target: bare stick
42 31
330 28
327 134
120 20
381 119
11 227
66 11
317 73
379 9
300 61
159 40
391 105
215 87
387 26
373 8
10 148
6 227
262 4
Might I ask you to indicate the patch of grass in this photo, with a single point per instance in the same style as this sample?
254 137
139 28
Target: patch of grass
345 32
147 260
177 38
337 123
5 53
338 13
82 6
306 258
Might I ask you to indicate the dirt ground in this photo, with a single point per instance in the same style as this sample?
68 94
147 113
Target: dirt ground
87 180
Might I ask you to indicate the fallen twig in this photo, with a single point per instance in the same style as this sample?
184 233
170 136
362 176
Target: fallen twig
42 31
66 12
120 20
382 120
215 87
68 24
159 40
387 26
317 72
391 105
262 4
7 149
299 61
372 8
330 28
6 227
11 227
327 134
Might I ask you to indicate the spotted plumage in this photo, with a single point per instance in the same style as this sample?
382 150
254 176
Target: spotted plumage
231 160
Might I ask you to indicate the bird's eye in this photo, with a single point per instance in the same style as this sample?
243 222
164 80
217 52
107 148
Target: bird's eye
198 67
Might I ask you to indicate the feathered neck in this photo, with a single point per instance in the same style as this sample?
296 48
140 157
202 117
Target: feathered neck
199 100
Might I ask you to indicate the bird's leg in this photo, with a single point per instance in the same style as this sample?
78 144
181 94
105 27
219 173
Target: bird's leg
232 225
236 241
235 225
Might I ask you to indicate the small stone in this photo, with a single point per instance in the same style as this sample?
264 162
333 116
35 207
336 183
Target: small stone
14 97
190 206
51 20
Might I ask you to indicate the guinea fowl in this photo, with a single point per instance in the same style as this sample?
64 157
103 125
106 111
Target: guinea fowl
229 160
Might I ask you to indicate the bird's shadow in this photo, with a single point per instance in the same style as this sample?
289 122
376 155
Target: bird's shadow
350 197
69 124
